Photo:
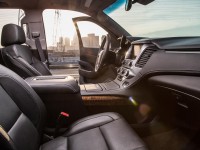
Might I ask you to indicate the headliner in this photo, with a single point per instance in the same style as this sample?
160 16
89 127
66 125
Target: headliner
95 5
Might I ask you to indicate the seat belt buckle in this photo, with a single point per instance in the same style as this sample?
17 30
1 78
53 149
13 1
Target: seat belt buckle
62 119
35 35
64 114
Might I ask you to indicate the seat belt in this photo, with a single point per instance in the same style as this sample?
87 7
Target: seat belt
38 45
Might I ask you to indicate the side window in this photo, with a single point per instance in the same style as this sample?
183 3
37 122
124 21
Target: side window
91 34
10 16
61 38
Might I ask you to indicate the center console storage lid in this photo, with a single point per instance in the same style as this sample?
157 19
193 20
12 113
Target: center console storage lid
56 84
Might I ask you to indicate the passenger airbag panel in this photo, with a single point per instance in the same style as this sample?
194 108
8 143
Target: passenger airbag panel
177 99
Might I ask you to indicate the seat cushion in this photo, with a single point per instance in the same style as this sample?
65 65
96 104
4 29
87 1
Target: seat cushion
105 131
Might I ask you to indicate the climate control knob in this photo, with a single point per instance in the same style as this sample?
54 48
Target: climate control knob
130 64
123 72
126 73
118 70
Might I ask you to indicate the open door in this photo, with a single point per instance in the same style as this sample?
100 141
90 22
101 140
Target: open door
90 35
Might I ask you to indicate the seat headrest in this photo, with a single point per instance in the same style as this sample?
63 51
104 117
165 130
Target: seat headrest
12 34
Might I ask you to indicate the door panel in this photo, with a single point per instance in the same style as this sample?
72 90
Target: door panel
89 55
90 35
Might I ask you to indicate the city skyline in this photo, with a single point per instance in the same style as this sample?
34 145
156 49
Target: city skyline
63 26
65 43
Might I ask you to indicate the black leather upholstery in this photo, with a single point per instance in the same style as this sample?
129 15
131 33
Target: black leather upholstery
106 131
17 57
54 84
12 34
1 59
22 113
22 116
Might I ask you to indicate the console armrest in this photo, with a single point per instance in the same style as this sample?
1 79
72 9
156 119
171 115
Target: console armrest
59 93
56 84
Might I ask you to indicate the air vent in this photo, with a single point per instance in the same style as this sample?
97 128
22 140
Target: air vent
145 57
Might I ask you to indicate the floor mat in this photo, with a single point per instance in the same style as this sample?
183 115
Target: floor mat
171 140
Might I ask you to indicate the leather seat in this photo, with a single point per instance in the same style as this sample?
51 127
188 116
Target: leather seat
18 57
98 132
22 120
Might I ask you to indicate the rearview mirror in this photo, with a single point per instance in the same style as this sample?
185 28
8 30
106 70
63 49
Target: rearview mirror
129 3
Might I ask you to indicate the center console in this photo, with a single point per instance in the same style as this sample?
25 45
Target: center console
59 93
127 74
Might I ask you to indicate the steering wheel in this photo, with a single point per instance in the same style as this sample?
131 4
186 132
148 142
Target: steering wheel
103 53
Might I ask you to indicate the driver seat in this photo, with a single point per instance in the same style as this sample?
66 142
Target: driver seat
18 57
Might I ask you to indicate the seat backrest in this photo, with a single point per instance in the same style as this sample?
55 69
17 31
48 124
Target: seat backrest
1 59
17 57
22 113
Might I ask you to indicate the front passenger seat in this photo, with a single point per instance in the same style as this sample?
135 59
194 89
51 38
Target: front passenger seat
22 120
18 57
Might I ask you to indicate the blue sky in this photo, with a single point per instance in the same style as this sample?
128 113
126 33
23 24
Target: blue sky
161 18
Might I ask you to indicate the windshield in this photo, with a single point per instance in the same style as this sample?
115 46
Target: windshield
161 18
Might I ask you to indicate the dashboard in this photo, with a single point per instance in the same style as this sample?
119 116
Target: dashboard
168 70
145 58
148 57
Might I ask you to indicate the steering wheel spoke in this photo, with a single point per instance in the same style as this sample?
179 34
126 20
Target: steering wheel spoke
103 54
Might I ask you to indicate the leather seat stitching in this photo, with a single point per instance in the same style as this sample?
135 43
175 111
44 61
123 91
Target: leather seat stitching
16 120
1 75
90 119
91 128
31 68
20 65
104 138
